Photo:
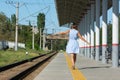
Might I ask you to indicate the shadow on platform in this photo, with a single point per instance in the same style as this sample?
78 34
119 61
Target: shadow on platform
94 67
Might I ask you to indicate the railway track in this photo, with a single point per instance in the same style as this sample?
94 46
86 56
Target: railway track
20 70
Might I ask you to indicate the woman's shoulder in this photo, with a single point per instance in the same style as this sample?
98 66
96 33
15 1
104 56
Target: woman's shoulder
73 31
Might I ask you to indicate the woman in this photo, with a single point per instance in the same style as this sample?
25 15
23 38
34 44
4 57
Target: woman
72 46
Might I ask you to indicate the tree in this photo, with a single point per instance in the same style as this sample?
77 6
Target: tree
41 24
3 26
41 21
61 46
13 21
30 24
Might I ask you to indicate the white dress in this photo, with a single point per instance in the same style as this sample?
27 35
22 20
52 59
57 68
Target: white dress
73 45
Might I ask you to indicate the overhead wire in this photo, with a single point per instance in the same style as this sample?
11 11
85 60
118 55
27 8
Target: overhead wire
26 3
27 9
34 3
51 20
10 9
33 13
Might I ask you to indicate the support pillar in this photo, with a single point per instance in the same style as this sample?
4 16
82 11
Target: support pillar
97 30
85 35
92 31
115 28
81 29
44 41
104 30
88 34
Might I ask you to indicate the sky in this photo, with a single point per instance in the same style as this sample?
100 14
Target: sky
29 9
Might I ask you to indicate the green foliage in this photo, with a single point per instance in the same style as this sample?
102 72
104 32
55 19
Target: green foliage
30 24
10 56
36 46
25 34
100 35
41 21
28 44
109 34
40 24
59 45
13 19
5 30
37 41
13 23
3 17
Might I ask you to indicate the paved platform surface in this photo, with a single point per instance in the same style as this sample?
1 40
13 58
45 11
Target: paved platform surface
93 70
58 69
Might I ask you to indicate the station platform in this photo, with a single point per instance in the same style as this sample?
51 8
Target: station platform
86 69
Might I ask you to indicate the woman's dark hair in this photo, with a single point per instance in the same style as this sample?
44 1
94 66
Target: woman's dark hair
74 27
73 23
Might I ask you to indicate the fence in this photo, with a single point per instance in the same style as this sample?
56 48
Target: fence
9 44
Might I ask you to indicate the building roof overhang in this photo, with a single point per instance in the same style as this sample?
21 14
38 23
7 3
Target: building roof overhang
69 11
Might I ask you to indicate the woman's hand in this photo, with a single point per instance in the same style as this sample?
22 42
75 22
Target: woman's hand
88 43
62 33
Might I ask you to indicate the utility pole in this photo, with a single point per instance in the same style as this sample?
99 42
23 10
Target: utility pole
40 38
33 34
43 41
16 29
17 20
51 45
52 41
44 38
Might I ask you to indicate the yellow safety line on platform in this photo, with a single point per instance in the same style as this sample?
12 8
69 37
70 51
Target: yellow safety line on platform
77 75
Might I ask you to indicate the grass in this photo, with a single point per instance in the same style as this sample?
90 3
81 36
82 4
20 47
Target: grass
10 56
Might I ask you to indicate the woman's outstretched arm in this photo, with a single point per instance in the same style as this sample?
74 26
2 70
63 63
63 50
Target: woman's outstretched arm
79 35
64 32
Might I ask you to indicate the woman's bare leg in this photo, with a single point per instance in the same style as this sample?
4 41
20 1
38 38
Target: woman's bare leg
73 59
